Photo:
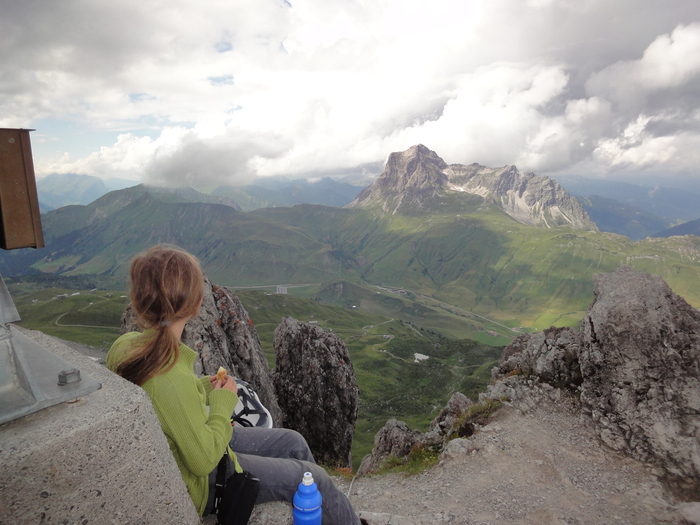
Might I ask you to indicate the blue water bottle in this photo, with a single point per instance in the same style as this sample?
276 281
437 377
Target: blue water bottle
307 502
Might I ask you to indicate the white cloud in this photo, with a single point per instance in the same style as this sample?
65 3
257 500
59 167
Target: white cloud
490 114
638 148
562 141
193 160
234 89
669 61
655 120
124 159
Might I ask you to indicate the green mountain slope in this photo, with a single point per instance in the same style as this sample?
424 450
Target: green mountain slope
468 253
235 248
456 248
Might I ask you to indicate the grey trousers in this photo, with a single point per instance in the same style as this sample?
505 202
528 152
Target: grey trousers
278 458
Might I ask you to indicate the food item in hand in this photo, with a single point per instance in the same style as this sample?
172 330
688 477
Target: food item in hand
221 374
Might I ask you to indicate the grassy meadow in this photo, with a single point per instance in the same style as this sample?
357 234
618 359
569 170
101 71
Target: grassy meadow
88 318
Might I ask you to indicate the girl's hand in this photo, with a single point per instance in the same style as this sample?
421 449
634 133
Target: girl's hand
229 384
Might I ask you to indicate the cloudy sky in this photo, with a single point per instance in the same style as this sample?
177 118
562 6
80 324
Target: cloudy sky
214 91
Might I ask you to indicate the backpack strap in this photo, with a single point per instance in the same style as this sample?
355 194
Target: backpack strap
220 481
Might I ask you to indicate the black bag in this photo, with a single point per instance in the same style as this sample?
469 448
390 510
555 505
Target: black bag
235 496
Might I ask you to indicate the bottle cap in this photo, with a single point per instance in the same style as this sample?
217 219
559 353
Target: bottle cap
308 479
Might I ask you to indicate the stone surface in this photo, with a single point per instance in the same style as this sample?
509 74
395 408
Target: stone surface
317 389
447 418
418 173
689 513
224 335
640 360
383 518
635 365
455 448
550 355
273 513
393 439
100 459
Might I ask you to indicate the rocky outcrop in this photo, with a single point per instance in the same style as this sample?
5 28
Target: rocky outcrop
635 365
550 355
224 335
448 418
410 173
317 389
412 176
395 439
640 360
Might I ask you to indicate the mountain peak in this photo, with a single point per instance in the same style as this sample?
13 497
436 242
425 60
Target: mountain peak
410 173
415 169
417 173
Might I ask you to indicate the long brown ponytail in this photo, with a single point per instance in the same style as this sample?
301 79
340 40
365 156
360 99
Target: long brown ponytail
166 286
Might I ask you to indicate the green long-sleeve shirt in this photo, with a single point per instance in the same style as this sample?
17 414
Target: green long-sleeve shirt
197 435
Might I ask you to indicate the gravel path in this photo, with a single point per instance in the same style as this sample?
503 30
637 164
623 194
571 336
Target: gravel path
544 467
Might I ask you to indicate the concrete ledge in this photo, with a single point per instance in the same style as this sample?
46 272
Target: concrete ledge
101 459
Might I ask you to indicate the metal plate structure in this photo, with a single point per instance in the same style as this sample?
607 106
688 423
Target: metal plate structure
29 373
29 377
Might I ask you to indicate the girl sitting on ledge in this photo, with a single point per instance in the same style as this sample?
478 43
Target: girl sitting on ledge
194 413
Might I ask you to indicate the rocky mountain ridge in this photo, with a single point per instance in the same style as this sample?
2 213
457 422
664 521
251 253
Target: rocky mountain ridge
418 173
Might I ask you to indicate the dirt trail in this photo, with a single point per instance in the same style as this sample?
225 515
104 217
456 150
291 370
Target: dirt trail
541 468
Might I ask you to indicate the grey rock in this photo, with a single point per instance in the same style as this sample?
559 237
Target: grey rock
393 439
528 198
413 171
640 360
412 176
689 513
223 334
455 448
636 366
518 390
273 513
317 389
550 355
396 439
448 417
